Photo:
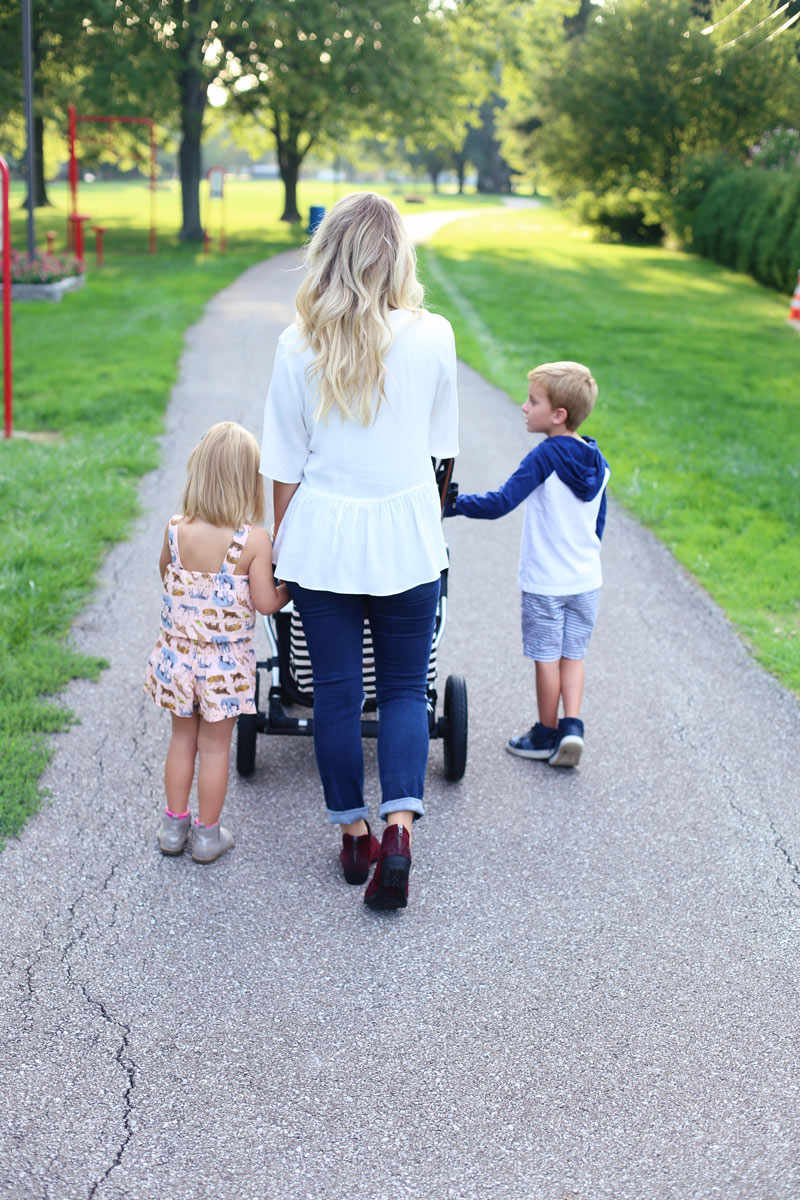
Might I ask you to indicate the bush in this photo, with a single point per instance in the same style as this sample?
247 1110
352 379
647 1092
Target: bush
780 148
624 215
748 220
690 189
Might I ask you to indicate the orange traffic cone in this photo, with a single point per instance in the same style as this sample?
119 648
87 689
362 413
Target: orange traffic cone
794 307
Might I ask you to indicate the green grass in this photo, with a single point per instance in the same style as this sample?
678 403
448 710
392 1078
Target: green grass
251 208
96 371
698 412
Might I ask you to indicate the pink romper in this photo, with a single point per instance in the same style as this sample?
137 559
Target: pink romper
204 660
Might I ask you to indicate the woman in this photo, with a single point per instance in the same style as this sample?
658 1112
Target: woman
363 394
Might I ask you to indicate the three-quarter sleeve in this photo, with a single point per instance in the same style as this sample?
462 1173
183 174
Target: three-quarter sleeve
444 413
285 440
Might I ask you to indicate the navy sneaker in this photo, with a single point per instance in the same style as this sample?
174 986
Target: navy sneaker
569 743
539 742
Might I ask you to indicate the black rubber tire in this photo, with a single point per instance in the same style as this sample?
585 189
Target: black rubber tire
246 733
455 739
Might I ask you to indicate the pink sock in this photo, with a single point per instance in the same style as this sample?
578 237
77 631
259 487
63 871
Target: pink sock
177 816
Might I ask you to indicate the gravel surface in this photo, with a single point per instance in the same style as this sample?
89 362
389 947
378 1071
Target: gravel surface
593 994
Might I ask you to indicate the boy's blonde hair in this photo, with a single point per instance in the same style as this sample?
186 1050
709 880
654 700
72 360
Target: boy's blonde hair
223 483
568 385
361 265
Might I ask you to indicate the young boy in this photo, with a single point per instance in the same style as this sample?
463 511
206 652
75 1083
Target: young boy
563 482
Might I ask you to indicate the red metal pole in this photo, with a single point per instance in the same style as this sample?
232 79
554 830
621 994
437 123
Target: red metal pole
72 207
7 393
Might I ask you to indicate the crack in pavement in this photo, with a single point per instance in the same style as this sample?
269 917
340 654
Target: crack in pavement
780 846
122 1057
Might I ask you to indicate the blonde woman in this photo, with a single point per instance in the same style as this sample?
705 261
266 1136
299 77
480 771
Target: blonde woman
363 394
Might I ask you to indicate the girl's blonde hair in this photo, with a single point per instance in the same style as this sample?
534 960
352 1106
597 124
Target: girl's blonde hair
360 266
223 483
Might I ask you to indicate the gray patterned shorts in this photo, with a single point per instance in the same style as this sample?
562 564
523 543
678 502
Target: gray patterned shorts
556 627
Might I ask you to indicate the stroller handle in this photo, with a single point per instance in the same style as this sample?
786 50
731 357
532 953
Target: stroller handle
448 488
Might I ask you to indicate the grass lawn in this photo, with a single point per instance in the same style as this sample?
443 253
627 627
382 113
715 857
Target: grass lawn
699 406
92 377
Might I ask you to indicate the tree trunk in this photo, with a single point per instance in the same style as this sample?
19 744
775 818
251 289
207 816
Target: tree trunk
192 92
289 160
434 173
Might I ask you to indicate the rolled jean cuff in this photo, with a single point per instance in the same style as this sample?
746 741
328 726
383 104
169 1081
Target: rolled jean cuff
336 817
403 804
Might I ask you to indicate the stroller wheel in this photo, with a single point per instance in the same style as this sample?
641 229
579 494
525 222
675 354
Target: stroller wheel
246 731
455 731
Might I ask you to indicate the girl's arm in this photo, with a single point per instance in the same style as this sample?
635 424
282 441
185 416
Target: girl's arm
165 557
281 495
265 595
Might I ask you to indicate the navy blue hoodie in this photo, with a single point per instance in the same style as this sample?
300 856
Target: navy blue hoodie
577 462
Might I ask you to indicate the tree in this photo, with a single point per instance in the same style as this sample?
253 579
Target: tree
57 36
644 87
157 58
317 72
482 149
531 40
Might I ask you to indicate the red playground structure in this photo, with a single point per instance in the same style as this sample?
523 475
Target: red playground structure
75 219
6 247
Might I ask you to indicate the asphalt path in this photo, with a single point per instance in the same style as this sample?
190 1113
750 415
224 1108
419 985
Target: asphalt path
593 994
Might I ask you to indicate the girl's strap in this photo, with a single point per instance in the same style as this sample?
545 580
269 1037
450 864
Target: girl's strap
236 547
172 534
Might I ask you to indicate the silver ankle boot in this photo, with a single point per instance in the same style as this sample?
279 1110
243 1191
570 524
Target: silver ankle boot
209 842
173 832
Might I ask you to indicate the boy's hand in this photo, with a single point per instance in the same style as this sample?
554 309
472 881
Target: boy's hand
449 509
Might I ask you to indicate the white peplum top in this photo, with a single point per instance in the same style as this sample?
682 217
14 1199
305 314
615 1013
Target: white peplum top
366 517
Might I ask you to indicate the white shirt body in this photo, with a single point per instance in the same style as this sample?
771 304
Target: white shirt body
366 518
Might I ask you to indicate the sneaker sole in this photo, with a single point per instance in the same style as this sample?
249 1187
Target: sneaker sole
528 753
568 753
205 861
172 853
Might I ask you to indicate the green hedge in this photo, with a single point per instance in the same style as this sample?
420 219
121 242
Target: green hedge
749 220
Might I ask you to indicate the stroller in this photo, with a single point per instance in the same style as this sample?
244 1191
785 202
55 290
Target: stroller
289 671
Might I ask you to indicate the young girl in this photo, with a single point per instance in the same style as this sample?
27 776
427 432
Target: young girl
217 569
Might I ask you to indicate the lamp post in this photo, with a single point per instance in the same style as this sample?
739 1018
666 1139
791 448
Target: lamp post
27 74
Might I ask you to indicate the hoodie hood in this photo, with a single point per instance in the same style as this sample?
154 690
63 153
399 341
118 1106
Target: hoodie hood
578 463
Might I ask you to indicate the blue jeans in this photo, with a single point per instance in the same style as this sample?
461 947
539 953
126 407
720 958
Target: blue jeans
402 633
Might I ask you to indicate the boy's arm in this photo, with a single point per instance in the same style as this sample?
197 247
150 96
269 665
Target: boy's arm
488 506
601 518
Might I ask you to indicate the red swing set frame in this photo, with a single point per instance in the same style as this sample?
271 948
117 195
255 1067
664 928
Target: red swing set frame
74 235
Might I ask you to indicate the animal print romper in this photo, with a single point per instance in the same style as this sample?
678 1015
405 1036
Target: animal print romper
204 660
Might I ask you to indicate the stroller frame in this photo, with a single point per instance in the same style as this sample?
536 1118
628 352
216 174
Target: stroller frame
450 727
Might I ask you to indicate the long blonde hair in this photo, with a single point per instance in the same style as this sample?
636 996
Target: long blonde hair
360 265
223 484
